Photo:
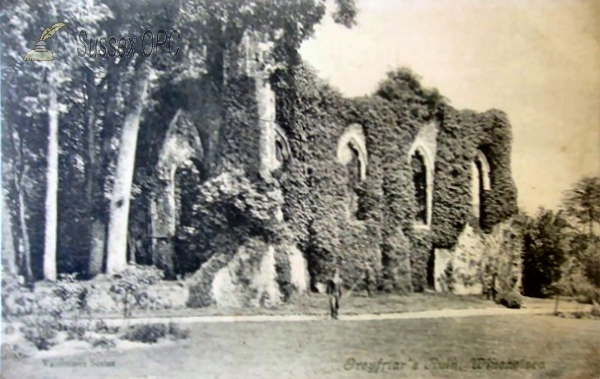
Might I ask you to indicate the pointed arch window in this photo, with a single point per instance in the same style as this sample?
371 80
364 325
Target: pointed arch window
352 153
422 177
282 148
480 183
354 166
419 171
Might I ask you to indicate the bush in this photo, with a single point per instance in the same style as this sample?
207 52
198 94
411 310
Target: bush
73 294
76 332
131 288
580 315
511 299
100 326
177 332
17 300
14 351
543 252
146 333
151 333
595 312
142 275
574 283
103 343
41 332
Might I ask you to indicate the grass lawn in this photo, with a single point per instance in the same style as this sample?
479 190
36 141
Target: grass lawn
325 349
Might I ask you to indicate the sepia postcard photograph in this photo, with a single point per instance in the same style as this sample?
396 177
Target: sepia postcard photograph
300 189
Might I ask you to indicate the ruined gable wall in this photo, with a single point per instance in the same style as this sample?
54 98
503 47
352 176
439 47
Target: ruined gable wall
452 139
315 186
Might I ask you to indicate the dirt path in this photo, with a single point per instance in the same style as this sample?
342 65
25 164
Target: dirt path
444 313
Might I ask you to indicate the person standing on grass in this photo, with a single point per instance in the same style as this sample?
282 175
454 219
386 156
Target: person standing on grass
368 278
334 290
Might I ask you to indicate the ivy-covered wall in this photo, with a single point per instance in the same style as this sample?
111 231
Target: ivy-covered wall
315 184
305 205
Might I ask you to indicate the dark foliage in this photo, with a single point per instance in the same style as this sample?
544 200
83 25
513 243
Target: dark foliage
146 333
510 299
41 332
177 332
543 253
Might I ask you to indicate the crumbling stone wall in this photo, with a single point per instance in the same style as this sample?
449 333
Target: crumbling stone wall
480 261
341 169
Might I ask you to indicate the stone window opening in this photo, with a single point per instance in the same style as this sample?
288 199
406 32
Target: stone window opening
355 166
422 177
354 175
420 186
352 153
480 183
281 149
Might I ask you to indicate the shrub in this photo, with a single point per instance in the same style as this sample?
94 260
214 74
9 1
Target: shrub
574 283
543 252
103 343
17 300
100 326
131 287
14 351
41 332
146 333
595 312
177 332
73 294
510 299
76 332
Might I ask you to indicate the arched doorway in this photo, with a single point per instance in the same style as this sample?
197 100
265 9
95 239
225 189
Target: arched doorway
188 180
179 166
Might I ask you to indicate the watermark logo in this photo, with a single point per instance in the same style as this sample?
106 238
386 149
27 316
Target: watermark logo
40 53
147 44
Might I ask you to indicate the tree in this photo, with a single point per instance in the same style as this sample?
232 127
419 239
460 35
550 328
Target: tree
582 202
41 93
116 259
141 73
544 252
51 206
581 276
403 87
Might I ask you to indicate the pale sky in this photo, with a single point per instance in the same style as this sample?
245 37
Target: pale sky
539 61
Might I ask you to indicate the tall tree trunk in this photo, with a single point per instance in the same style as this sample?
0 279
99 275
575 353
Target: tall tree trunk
20 231
99 206
90 162
9 254
24 245
51 208
116 259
